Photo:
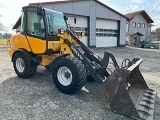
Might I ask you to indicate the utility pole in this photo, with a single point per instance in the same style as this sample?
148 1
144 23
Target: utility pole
6 38
6 34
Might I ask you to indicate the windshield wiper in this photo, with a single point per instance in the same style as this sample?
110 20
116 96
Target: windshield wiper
49 25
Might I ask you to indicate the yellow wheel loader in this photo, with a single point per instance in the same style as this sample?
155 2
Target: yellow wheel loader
46 40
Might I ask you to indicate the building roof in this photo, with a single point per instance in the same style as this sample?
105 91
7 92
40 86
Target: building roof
55 1
133 33
67 1
141 12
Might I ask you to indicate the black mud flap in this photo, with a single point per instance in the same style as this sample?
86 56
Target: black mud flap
126 92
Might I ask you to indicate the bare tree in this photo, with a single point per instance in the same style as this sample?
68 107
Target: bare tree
1 36
157 30
158 33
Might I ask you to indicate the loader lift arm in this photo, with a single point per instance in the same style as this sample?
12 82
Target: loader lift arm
92 56
88 57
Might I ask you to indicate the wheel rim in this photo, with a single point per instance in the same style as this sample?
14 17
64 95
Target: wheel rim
20 65
64 76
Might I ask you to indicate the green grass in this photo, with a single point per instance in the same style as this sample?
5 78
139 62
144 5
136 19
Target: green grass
4 41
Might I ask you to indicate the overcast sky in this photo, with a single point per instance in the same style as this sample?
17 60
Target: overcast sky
10 10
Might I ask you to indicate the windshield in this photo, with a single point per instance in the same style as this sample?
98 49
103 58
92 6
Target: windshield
55 21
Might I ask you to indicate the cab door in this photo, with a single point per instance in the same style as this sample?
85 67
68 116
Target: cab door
35 31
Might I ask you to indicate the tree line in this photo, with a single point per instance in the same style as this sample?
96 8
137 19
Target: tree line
3 28
5 36
156 34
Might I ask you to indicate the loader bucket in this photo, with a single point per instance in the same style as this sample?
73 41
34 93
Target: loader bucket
126 92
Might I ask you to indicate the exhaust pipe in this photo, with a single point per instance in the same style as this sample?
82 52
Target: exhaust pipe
125 92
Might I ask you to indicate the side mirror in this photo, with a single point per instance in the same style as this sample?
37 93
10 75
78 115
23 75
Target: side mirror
39 10
75 20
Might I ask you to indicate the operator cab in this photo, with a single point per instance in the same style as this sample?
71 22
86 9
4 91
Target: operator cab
42 23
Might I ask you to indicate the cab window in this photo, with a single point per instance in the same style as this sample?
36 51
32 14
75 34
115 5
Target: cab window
55 21
35 24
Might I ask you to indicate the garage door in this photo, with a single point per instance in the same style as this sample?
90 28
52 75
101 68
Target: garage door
80 26
106 33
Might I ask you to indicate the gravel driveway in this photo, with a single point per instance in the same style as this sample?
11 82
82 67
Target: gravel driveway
37 98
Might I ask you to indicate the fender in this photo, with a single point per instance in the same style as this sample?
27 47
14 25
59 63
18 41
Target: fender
29 56
56 59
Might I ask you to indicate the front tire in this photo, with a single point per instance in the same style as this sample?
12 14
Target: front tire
69 74
23 66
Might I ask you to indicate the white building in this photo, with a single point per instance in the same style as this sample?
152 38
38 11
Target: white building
138 27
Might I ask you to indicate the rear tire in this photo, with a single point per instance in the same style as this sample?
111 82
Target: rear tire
23 66
69 74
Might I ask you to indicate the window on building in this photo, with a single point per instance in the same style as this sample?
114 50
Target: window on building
139 25
83 28
115 31
100 30
143 25
111 30
72 28
134 24
100 34
97 30
110 35
114 35
105 34
97 34
85 34
77 28
86 29
105 30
